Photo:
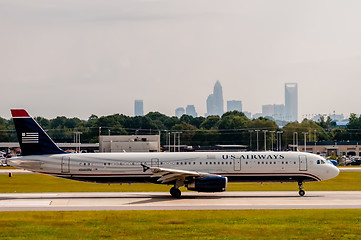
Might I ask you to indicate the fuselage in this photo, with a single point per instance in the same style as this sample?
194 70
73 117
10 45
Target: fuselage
236 166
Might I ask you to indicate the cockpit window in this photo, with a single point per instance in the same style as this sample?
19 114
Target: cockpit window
321 162
318 161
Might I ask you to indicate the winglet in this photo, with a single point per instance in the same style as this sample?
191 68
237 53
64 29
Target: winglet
145 167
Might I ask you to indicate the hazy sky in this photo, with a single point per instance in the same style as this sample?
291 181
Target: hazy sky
83 57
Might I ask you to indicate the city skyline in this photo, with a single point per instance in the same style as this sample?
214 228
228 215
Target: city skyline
60 58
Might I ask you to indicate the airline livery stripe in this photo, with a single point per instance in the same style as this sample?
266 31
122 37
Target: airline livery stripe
19 113
30 137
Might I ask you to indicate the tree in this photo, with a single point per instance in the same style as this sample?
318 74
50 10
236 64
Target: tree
187 130
210 122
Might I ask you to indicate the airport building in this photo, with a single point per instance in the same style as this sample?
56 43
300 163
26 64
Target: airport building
331 148
129 143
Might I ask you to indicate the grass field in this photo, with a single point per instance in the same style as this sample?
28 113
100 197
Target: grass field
218 224
221 224
21 183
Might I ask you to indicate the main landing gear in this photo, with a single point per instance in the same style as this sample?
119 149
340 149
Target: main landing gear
300 187
174 191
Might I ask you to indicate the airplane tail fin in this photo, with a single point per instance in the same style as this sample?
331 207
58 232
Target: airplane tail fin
32 138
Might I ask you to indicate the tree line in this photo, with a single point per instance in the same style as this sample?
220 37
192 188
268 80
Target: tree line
232 128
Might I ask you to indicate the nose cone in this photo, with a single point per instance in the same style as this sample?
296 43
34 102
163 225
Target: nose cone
332 172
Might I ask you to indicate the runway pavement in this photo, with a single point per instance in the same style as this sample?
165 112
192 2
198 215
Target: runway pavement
189 201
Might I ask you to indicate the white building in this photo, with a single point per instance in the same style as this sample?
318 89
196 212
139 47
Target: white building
129 143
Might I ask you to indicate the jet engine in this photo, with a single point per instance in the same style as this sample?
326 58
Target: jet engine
208 184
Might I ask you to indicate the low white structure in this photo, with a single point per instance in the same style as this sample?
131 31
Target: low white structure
129 143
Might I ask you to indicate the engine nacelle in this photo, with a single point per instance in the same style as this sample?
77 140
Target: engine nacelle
209 184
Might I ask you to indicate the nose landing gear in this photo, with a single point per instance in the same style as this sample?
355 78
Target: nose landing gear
301 192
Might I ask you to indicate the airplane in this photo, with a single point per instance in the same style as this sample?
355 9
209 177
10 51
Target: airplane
197 171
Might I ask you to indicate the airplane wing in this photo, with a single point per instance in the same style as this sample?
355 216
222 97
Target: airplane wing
168 175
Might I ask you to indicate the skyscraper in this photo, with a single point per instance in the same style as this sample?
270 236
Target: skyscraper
138 108
268 110
291 102
191 111
279 112
215 104
234 105
179 112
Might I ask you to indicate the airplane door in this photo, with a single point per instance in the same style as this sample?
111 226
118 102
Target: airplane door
303 162
154 162
65 164
237 164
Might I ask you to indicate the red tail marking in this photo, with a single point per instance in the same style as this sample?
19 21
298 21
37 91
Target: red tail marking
16 113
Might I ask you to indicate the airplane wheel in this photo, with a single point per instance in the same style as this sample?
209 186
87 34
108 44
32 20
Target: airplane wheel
302 193
175 192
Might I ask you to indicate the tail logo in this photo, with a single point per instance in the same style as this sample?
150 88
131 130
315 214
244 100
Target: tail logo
30 137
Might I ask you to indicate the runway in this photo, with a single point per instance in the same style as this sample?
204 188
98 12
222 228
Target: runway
189 201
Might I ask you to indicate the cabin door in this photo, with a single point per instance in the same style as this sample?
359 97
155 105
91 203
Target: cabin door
154 162
65 164
237 164
303 162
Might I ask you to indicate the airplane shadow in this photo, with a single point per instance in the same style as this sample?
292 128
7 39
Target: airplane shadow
154 198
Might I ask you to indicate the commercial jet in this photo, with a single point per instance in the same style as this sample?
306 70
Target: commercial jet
197 171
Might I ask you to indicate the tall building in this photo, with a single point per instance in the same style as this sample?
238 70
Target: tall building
234 105
191 111
248 114
268 110
279 112
276 111
179 112
215 104
291 102
138 108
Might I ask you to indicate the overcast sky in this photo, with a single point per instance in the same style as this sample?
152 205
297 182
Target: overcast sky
83 57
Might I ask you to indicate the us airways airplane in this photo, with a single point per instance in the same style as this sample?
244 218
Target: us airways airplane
197 171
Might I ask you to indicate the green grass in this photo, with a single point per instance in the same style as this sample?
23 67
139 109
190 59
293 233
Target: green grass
21 183
218 224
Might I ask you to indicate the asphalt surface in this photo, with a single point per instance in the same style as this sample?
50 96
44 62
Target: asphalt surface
189 201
